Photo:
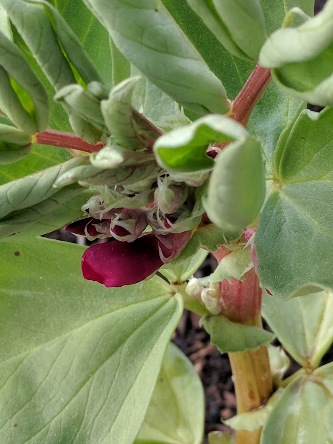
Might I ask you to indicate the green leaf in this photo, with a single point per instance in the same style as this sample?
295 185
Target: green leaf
270 118
239 26
230 337
176 411
48 215
236 189
41 157
294 235
30 190
86 358
255 419
184 270
162 52
302 325
121 67
275 11
233 265
184 149
42 28
11 152
208 237
90 33
303 415
305 69
22 95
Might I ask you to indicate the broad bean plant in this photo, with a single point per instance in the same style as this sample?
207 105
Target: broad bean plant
164 130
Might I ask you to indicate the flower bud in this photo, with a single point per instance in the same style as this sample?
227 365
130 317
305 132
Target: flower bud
194 289
210 297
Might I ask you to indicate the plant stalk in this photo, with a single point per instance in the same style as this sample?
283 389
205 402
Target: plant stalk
66 140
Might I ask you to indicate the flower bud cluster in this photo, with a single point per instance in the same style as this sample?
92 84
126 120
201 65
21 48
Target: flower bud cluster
209 296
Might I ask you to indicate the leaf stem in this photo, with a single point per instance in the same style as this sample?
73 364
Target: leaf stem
66 140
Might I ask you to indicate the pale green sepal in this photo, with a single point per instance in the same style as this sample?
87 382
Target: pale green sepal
184 270
295 17
30 190
230 337
29 110
176 410
302 325
237 186
255 419
233 265
302 415
184 149
209 237
90 352
162 52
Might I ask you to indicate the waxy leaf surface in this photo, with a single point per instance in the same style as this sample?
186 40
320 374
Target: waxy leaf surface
230 337
176 411
148 37
303 414
294 236
78 362
303 325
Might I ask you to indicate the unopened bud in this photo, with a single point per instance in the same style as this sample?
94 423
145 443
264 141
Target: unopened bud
210 297
194 289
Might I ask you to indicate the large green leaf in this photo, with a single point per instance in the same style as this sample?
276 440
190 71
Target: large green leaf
303 325
176 411
78 361
41 157
303 414
156 45
294 241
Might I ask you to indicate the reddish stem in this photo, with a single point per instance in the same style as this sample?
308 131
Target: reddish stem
66 140
251 92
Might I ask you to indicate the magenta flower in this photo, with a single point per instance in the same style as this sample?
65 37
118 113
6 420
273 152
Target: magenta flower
116 263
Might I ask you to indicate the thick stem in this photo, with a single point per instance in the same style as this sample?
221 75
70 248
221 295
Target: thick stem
66 140
251 92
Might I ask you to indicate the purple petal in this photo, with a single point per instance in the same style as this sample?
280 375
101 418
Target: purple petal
115 263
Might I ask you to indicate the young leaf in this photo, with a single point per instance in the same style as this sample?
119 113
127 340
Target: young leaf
230 337
90 33
40 33
23 97
302 325
176 409
236 189
233 265
67 345
162 52
294 232
305 69
184 149
303 415
238 25
12 152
